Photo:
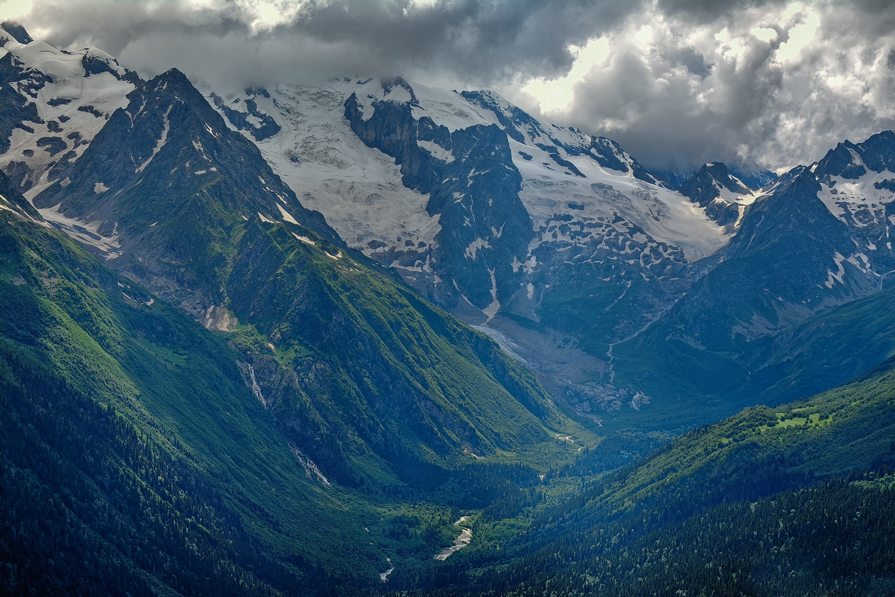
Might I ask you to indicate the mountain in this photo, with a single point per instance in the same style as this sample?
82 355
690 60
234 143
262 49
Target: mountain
13 200
190 208
594 275
178 170
804 257
220 371
54 102
549 239
123 421
723 196
313 388
557 244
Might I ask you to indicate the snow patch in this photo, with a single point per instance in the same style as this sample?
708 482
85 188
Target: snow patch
846 197
161 142
304 239
437 151
491 310
837 277
286 215
84 232
474 246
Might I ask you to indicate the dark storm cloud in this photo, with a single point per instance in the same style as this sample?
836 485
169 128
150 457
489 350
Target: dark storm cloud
465 41
756 83
475 39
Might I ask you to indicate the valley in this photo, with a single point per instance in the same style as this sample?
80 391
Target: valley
371 337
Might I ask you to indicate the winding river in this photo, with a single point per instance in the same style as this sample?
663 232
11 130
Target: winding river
459 543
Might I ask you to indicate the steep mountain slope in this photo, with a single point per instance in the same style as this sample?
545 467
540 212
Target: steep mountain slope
180 180
800 250
54 102
209 462
557 244
791 500
12 200
369 382
325 415
581 266
470 153
124 422
498 217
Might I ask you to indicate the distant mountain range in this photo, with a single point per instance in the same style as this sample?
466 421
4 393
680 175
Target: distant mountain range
575 257
582 264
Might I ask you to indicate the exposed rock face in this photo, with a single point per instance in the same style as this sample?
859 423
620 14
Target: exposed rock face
12 199
53 102
498 215
155 178
474 189
538 232
721 194
517 235
817 239
258 124
353 366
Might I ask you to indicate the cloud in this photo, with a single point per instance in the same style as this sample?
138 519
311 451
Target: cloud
460 41
757 84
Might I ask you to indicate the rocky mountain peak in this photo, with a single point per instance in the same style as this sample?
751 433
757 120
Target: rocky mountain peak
11 199
165 174
718 191
851 161
16 31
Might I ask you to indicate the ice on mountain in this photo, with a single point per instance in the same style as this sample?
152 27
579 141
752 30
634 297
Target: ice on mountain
286 215
69 101
474 247
161 141
304 239
491 310
437 151
836 277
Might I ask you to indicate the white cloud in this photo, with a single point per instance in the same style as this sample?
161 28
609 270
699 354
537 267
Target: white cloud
765 86
14 9
799 36
555 95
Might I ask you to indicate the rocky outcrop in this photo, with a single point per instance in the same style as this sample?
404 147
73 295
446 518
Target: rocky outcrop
473 186
715 189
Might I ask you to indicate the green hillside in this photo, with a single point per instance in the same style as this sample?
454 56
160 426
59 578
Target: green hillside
791 500
134 433
823 351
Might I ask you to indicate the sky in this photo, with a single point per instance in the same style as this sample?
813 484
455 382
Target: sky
757 84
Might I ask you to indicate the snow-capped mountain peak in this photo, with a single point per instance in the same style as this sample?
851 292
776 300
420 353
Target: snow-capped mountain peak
723 195
56 101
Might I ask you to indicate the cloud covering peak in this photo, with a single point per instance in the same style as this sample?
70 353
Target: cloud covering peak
757 84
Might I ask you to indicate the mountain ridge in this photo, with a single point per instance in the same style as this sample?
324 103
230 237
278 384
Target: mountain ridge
586 253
